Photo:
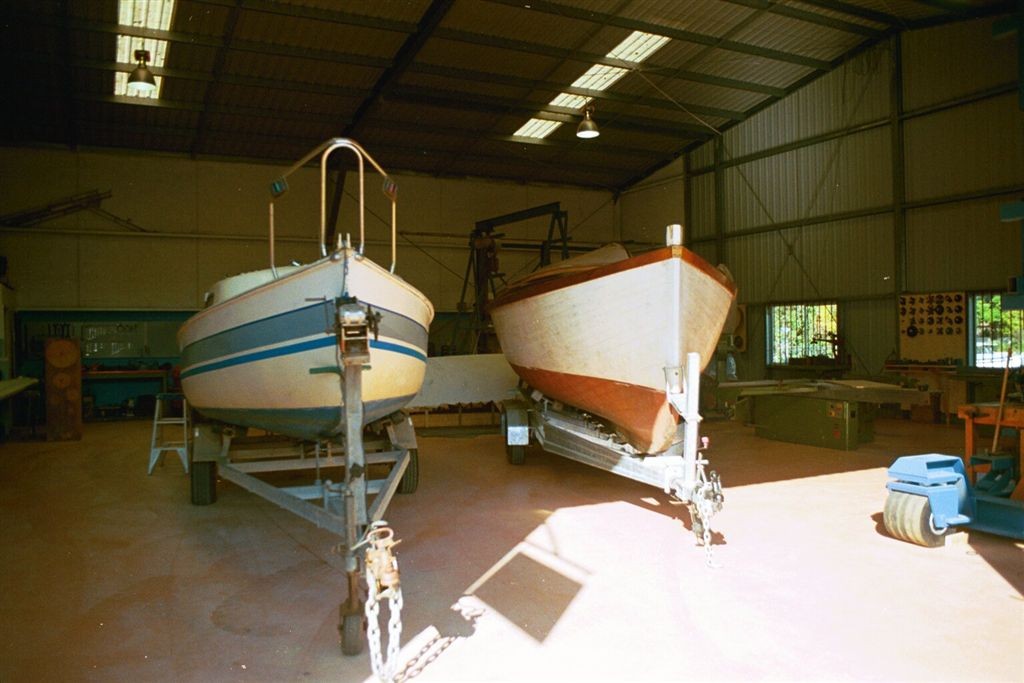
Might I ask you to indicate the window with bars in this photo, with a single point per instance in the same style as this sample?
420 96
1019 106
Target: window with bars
802 331
994 333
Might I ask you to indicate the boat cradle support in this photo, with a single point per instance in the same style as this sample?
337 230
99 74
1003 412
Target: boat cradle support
343 508
573 434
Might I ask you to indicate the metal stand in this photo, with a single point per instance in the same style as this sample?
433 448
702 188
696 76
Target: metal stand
158 444
344 508
573 434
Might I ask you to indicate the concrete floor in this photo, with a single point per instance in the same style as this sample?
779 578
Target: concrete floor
549 571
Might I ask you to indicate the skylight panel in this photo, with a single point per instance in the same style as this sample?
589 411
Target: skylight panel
155 14
636 48
570 101
537 128
599 77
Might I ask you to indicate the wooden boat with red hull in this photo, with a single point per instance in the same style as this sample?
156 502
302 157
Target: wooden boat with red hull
604 332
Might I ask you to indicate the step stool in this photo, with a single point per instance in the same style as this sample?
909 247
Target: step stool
157 446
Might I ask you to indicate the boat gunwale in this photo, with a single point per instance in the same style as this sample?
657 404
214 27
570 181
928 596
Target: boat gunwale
558 281
319 263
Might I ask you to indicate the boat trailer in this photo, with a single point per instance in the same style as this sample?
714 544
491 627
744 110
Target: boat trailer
343 507
574 434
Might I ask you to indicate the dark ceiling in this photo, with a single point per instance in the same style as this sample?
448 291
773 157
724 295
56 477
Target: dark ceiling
433 86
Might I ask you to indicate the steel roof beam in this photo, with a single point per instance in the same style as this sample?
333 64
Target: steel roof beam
223 109
675 34
215 75
810 17
203 76
379 63
214 42
327 118
596 58
302 143
405 56
547 112
400 126
551 86
317 14
405 27
858 11
70 110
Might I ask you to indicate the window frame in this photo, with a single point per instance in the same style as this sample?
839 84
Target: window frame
808 346
1016 333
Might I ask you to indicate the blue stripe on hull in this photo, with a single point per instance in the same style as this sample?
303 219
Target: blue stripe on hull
308 345
310 424
294 324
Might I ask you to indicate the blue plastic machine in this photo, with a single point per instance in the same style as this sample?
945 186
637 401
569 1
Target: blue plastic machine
930 495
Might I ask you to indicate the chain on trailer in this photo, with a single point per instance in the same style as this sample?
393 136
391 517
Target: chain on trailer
701 491
383 582
708 500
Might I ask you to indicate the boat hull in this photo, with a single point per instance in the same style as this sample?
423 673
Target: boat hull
268 357
600 339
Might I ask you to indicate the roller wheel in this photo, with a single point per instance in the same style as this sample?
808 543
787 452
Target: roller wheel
908 517
351 634
411 477
203 475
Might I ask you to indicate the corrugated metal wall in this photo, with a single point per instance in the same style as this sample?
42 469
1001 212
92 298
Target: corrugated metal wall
836 176
961 246
855 93
811 206
841 259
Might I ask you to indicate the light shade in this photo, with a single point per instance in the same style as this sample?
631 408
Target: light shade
141 78
588 127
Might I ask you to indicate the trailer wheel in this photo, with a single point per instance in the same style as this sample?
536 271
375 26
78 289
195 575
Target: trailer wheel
351 634
203 481
908 517
411 477
516 454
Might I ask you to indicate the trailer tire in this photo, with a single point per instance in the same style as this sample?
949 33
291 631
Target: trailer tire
411 477
351 628
516 454
203 482
908 516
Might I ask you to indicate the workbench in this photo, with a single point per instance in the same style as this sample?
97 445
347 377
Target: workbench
944 380
9 388
974 414
127 375
835 414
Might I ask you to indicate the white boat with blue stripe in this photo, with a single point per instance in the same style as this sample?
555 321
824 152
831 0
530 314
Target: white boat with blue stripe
265 352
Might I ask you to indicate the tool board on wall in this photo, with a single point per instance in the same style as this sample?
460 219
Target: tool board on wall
933 326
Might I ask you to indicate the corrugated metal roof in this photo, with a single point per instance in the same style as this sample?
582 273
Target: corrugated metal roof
709 17
438 85
798 37
515 23
826 13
